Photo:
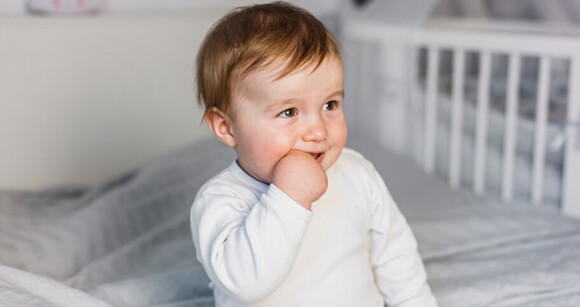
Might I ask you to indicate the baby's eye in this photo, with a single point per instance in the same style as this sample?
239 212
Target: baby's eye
288 112
329 106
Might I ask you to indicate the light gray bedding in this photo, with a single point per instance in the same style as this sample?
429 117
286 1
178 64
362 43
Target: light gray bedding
481 252
128 243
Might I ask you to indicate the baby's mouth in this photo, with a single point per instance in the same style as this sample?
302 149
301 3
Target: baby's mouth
318 156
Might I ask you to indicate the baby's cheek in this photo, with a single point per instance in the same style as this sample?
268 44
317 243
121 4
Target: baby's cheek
340 135
274 151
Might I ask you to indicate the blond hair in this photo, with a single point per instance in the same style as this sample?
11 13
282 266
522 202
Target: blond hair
252 37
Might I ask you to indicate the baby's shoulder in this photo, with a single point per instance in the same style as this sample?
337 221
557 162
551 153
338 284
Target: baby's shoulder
227 184
352 166
352 160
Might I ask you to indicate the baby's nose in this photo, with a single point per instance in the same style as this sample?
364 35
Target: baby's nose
315 131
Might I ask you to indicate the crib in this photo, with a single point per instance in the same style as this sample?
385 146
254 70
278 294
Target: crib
433 106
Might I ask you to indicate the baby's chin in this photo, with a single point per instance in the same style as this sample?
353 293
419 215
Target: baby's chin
329 159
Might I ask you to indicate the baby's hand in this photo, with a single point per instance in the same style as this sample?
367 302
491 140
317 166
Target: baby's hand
300 177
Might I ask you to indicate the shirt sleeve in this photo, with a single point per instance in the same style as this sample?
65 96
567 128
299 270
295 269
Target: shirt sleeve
397 266
248 249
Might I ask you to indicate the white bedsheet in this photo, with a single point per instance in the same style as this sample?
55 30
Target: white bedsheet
128 243
20 288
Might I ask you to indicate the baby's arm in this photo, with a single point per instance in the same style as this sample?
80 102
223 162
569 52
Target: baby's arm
398 268
248 249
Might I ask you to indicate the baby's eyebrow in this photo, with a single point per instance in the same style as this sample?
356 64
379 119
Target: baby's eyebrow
337 93
279 104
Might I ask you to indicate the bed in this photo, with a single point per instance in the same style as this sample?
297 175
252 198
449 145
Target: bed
126 241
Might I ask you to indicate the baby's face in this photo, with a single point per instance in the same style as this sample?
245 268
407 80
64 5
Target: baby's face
301 111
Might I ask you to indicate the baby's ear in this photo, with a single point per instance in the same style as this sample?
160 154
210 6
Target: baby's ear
219 124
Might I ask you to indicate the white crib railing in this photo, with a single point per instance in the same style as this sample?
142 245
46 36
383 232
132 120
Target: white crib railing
402 86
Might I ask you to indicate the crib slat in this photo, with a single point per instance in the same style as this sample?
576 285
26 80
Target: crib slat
365 80
417 104
510 128
352 84
540 131
431 110
456 118
481 125
570 190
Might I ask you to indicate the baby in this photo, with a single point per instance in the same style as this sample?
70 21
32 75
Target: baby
296 219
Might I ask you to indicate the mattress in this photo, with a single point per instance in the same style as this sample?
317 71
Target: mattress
127 243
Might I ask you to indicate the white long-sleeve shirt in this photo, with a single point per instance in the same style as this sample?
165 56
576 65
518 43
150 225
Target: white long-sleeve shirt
355 248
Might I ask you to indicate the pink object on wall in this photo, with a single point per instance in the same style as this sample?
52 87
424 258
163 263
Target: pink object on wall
64 6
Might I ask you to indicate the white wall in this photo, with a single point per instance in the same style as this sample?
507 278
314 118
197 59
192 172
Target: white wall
318 7
85 99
